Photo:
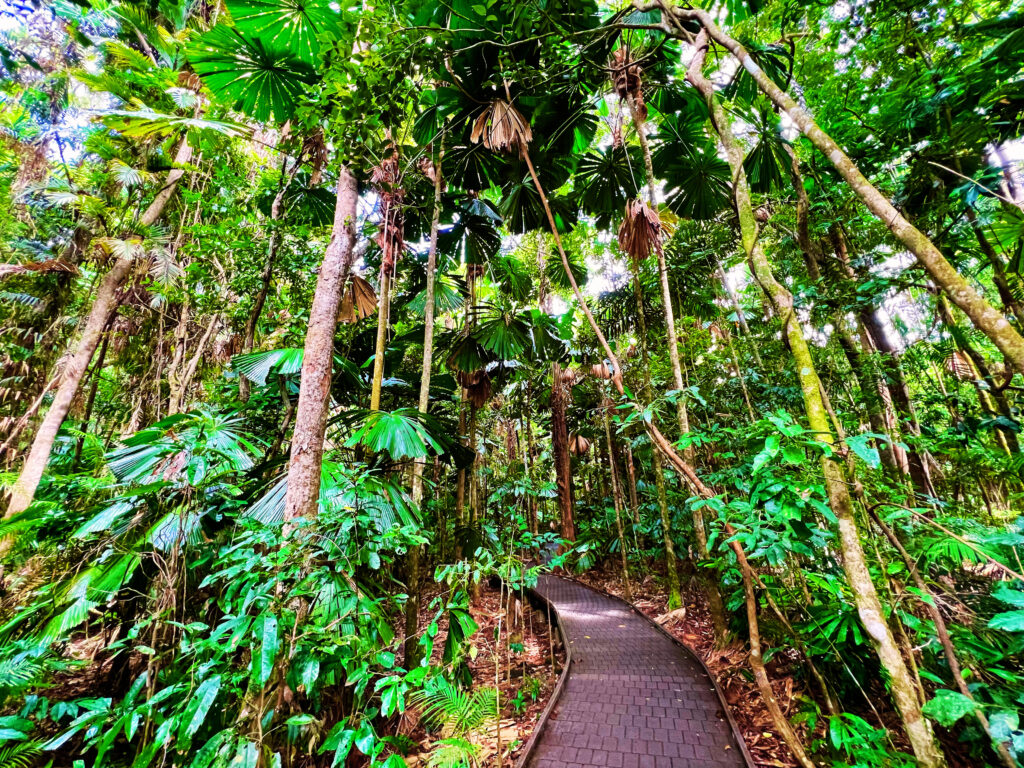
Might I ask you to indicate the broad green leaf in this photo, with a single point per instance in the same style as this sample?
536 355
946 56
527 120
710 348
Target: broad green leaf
947 707
198 707
859 445
263 661
1010 621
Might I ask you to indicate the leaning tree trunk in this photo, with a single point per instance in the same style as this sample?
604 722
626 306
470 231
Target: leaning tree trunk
412 563
985 317
307 447
869 606
103 308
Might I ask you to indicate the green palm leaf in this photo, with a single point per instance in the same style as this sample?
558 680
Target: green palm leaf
260 78
291 25
699 183
605 180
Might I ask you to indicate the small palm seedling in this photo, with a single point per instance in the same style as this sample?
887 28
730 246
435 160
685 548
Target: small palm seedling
460 717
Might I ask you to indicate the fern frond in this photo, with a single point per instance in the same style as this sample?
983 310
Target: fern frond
453 753
20 755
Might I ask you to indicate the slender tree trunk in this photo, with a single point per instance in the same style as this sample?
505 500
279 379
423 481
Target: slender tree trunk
675 599
617 501
992 400
412 565
869 606
983 315
307 447
764 685
103 308
267 275
528 429
634 501
178 402
560 450
383 316
714 600
97 372
741 318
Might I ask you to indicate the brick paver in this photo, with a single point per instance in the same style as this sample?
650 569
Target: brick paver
633 698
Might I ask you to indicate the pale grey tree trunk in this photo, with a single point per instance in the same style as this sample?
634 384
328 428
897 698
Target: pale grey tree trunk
307 447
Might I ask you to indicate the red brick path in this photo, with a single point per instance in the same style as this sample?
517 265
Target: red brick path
633 698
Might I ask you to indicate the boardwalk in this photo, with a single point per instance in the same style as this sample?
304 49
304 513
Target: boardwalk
633 699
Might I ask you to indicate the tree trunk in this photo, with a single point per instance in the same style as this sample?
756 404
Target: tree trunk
560 450
103 308
307 446
675 599
178 402
869 606
383 316
992 400
412 565
764 685
985 317
616 500
266 277
97 372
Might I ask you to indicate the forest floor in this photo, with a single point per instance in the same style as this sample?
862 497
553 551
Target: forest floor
524 678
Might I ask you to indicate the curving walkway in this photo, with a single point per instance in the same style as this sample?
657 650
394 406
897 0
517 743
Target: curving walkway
633 698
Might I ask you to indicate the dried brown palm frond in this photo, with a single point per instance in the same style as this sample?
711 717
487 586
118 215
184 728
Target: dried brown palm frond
640 231
601 371
358 301
477 385
578 444
569 376
387 178
502 128
190 80
627 77
315 148
50 265
960 366
226 346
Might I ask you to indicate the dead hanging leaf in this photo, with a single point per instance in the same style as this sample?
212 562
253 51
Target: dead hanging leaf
569 376
387 179
190 80
477 385
358 301
959 365
640 232
502 128
50 265
315 148
578 444
226 346
601 371
627 77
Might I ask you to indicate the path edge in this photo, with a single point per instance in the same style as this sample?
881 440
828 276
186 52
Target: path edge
556 694
736 732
